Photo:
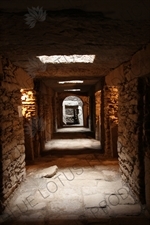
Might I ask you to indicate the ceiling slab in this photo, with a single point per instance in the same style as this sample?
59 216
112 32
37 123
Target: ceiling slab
81 28
114 9
84 87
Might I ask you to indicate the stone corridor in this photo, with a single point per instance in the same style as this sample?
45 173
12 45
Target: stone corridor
75 112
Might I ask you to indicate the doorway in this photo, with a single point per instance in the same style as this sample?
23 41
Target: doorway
72 111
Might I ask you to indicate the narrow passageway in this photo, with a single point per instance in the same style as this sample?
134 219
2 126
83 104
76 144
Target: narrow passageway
75 118
76 189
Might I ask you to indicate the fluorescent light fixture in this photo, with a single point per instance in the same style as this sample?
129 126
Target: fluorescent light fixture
72 90
71 82
55 59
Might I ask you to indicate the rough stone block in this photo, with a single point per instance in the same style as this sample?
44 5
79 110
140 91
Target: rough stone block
15 154
6 163
22 158
48 172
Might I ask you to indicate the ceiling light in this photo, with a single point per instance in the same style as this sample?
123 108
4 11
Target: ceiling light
71 82
66 59
72 90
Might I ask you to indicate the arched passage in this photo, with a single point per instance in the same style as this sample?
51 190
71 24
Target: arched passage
72 111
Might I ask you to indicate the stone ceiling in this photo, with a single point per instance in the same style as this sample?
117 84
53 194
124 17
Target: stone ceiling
111 32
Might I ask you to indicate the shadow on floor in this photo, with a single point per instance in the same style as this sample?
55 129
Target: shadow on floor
82 221
72 152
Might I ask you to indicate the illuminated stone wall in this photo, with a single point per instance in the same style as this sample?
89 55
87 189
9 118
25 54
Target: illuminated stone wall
31 123
28 97
98 110
111 120
12 150
133 81
130 134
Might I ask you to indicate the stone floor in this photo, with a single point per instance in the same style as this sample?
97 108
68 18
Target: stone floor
73 129
72 138
72 144
86 189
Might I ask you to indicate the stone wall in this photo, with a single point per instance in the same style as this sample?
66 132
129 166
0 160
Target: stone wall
86 111
11 133
31 123
146 138
130 145
45 100
98 110
29 106
110 119
133 80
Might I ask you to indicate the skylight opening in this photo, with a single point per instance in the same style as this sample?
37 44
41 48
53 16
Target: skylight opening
72 90
56 59
71 82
